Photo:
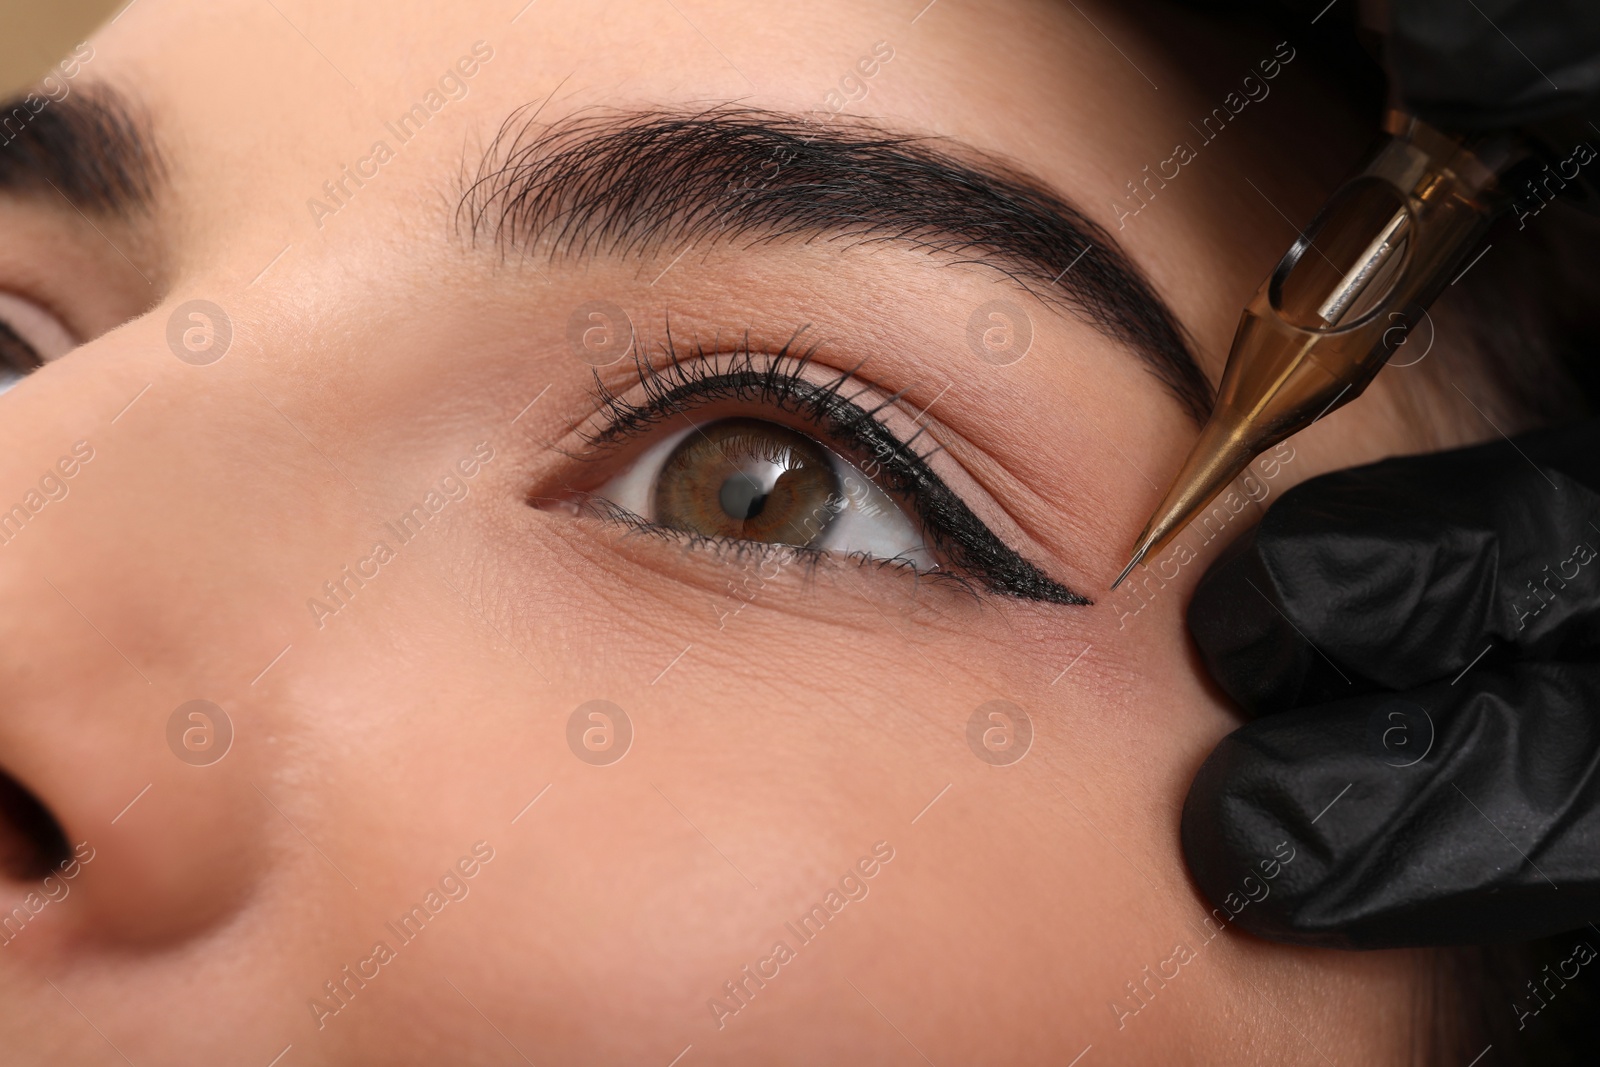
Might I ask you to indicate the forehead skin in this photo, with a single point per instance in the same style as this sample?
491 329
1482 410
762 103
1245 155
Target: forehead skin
373 350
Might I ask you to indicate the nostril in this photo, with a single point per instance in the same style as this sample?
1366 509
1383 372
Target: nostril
31 841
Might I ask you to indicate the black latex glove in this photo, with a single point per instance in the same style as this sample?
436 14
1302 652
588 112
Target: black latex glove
1432 792
1495 64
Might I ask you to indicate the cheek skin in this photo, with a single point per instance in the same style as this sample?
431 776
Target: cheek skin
777 758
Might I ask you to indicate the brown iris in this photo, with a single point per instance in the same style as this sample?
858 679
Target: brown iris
748 479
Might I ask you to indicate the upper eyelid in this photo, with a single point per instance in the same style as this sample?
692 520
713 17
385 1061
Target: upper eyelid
690 379
30 318
692 369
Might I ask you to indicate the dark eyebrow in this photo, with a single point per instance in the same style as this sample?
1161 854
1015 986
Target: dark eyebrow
624 183
92 146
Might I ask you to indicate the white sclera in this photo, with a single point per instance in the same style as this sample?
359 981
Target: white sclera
870 522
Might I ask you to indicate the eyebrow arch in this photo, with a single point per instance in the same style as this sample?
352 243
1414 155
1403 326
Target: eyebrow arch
620 183
91 146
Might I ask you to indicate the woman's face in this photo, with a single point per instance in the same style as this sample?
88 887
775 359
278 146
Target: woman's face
510 775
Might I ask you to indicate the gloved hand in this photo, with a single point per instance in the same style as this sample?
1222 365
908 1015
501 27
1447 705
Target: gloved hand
1418 642
1508 63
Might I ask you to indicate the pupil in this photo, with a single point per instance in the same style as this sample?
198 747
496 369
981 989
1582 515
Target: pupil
742 498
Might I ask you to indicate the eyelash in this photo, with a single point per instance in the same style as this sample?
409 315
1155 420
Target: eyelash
688 381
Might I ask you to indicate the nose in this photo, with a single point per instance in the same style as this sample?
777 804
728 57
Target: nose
129 732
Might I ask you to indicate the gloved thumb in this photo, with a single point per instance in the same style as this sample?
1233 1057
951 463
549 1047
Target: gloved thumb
1451 814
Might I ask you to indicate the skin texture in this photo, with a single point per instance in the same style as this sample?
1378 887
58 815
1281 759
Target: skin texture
773 748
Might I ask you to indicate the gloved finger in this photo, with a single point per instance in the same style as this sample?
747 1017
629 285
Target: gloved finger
1403 572
1446 816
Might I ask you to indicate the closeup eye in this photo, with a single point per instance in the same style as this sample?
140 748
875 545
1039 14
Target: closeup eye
30 337
749 479
718 475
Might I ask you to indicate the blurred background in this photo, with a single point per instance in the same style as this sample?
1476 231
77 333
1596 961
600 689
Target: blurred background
36 33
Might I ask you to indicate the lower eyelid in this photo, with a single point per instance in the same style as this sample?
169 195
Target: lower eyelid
861 592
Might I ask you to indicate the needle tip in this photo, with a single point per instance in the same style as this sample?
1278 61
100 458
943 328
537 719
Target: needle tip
1132 563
